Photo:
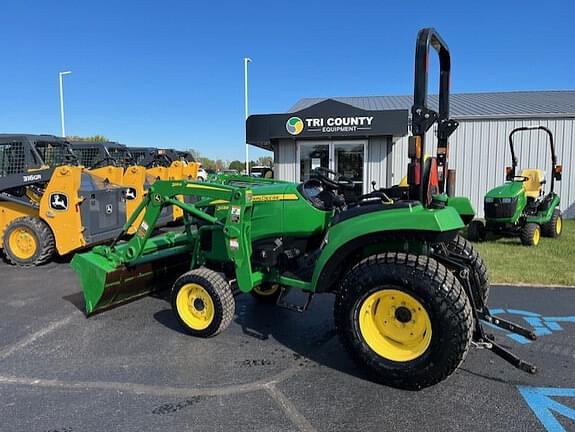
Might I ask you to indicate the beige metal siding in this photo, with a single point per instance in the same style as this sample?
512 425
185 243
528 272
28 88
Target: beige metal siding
479 151
376 161
285 163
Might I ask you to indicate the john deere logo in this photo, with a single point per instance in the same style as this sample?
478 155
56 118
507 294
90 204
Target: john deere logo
294 125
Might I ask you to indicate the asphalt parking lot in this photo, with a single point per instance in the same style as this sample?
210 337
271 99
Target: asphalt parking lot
132 369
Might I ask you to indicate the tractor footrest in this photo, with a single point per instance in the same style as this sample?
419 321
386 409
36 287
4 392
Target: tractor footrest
281 301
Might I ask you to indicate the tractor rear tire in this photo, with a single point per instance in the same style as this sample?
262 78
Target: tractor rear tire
28 242
554 227
479 283
476 231
267 293
203 302
530 234
404 317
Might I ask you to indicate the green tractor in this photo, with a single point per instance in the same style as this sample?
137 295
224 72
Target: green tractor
519 207
410 292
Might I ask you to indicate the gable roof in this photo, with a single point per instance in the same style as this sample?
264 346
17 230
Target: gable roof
560 103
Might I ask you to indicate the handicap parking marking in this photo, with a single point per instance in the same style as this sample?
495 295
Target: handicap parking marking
542 325
541 403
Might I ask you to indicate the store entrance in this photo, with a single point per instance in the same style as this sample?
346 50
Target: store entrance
345 157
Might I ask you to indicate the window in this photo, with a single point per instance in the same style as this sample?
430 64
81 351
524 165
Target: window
12 158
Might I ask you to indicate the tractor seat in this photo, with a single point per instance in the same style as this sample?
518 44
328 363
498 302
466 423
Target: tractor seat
534 185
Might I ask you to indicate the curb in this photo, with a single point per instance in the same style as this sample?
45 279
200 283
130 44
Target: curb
529 285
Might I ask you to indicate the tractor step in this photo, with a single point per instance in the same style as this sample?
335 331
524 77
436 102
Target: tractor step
300 308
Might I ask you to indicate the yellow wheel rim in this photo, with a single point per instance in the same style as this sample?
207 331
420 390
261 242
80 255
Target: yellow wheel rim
195 306
558 225
536 236
23 243
395 325
266 290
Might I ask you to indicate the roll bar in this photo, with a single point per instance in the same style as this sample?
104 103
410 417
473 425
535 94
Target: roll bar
422 117
555 174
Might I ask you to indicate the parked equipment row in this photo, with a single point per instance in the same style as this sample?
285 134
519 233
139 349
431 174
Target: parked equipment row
58 196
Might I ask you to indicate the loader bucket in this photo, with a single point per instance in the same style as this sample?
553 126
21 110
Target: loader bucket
106 283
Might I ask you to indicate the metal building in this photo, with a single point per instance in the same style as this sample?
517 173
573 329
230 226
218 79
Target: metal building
334 133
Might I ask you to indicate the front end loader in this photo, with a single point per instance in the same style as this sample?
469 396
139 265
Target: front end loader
410 292
49 204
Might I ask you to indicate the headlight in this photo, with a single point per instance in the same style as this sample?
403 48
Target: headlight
506 200
488 199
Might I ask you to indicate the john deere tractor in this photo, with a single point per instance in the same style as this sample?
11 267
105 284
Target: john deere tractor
49 204
410 292
520 206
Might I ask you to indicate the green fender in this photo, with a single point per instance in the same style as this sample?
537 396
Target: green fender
386 230
463 206
544 216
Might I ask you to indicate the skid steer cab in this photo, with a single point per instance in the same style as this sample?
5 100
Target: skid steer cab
49 204
167 164
520 206
410 293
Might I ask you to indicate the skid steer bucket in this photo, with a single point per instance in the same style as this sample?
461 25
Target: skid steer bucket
107 281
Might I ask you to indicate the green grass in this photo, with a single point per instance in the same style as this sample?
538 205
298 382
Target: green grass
552 262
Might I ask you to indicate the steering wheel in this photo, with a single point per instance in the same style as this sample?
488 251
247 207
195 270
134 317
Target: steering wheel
331 179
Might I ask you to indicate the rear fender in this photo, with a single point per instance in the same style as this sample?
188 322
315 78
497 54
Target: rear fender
402 230
10 211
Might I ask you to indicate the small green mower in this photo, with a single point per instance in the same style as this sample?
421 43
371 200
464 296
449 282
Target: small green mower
519 207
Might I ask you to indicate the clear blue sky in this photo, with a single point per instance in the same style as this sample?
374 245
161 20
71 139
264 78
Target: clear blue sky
170 73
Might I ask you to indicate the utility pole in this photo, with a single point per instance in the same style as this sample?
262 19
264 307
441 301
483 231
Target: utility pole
61 75
247 60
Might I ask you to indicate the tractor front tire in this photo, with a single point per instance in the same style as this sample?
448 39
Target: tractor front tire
554 227
28 242
479 283
476 231
203 302
530 234
404 317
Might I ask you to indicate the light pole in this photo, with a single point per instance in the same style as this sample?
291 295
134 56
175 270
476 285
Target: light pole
246 61
61 74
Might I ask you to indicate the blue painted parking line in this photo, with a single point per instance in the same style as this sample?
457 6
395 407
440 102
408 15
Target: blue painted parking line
541 403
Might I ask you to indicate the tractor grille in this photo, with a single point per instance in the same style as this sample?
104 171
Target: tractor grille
500 207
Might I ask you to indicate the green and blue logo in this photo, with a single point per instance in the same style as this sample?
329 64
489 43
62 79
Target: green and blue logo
294 125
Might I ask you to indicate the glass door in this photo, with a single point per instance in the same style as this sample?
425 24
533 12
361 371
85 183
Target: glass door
311 156
345 157
348 160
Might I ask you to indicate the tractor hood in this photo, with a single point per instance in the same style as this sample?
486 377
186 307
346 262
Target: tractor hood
506 190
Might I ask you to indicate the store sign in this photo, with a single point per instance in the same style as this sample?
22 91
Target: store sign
296 125
326 119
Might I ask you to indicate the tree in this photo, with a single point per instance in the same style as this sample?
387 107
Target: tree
195 153
265 161
237 165
207 163
95 138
